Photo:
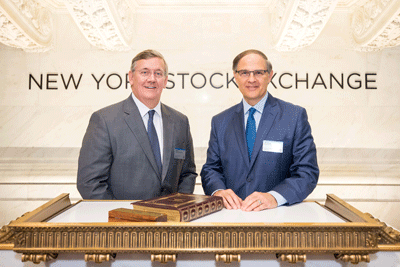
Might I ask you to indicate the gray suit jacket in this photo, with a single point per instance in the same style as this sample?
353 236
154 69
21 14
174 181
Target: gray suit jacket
116 160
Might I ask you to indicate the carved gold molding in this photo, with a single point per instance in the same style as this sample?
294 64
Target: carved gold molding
163 258
25 24
375 25
38 258
227 258
99 258
6 238
181 237
292 258
353 258
297 23
351 241
106 24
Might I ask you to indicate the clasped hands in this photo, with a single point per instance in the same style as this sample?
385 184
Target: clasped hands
255 202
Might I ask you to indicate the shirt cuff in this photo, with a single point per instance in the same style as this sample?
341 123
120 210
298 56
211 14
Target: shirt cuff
279 198
216 191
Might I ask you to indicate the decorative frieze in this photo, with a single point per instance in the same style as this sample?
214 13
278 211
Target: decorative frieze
25 24
186 238
296 24
105 24
290 243
376 25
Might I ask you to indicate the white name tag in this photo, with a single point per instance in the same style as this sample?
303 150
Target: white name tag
273 146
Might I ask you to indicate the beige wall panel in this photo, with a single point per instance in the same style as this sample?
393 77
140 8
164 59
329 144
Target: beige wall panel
357 131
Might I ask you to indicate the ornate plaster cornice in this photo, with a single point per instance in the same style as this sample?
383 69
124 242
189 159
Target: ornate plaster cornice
106 24
25 24
376 25
297 23
53 5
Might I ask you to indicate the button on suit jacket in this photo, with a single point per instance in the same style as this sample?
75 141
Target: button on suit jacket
293 173
116 160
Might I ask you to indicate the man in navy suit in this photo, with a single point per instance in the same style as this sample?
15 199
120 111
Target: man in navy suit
261 152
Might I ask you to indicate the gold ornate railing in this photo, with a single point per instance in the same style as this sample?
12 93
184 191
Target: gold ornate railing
351 241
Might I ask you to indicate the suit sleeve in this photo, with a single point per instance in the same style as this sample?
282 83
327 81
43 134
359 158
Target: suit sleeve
212 177
188 174
303 172
95 160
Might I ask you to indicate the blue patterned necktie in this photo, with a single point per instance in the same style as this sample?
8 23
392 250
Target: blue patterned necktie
251 131
151 131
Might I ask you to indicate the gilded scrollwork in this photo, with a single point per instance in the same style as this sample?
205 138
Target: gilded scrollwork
387 235
6 235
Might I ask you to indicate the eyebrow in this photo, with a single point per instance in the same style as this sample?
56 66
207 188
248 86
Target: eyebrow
151 69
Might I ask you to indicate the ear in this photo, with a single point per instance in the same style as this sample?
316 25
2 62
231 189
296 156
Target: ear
130 76
270 75
165 81
235 75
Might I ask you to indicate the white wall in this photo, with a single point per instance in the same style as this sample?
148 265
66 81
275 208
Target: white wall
352 128
204 43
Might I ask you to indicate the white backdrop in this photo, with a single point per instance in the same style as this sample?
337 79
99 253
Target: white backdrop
205 43
357 131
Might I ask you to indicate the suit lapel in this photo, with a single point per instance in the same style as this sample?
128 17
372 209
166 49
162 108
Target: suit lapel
238 125
168 131
135 123
267 120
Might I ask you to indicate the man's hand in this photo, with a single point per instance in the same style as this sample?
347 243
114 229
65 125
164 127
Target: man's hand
231 200
259 201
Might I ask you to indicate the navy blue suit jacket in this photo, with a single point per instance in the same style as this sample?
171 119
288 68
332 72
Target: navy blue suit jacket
292 173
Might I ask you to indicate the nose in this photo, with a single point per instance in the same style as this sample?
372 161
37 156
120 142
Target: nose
252 77
152 76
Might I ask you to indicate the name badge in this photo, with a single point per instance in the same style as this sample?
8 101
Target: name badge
179 153
273 146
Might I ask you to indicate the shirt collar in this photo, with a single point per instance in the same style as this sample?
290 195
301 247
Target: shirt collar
143 109
259 106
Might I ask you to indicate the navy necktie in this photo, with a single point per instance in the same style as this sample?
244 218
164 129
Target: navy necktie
151 131
251 131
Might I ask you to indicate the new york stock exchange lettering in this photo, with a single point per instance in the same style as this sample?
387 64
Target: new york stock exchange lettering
199 80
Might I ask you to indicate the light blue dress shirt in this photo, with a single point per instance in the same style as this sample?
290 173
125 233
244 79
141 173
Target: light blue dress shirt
257 117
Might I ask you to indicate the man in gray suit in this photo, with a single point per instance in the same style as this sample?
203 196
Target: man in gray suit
138 148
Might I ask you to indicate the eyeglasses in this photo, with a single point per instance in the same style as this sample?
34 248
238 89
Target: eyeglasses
147 73
246 73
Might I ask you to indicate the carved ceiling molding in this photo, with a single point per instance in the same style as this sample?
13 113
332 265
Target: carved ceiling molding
376 25
25 24
297 23
106 24
53 5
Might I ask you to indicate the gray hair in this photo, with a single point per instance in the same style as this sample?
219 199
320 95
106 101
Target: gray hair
147 54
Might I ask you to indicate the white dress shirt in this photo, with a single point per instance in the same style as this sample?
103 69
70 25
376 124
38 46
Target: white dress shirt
157 120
